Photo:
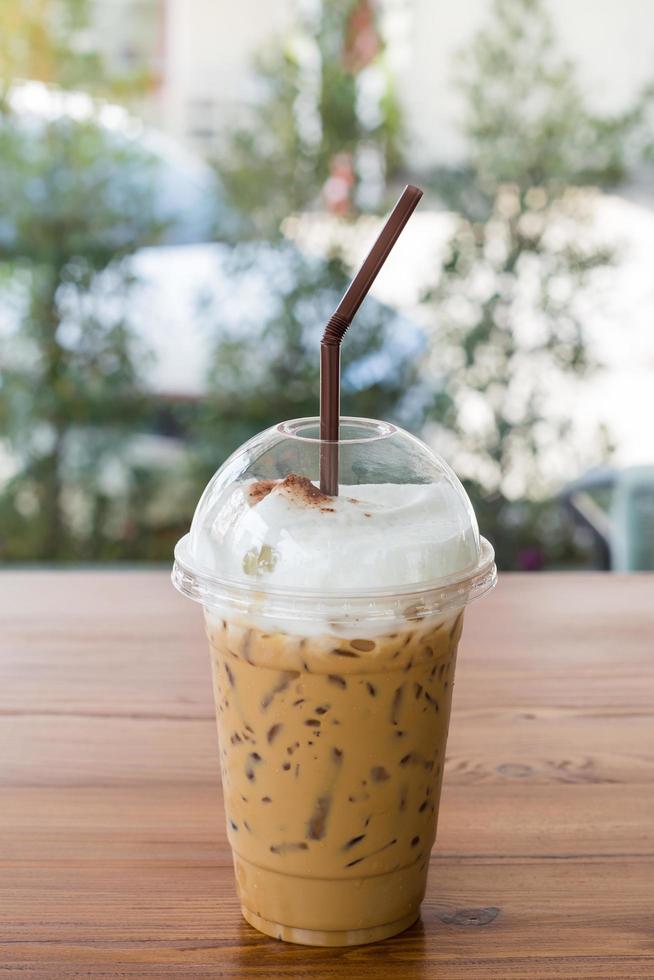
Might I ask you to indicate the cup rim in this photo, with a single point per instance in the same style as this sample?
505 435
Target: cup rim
376 430
204 585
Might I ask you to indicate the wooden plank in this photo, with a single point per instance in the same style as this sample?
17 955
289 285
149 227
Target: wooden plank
169 823
113 856
96 643
553 748
498 919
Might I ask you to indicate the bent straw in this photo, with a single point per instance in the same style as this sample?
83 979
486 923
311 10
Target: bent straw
340 320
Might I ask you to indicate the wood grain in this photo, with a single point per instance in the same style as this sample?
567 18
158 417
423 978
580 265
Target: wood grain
113 857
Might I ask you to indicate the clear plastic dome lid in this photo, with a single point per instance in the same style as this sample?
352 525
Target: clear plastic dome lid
401 521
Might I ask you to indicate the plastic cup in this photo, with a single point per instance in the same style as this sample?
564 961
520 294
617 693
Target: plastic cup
333 704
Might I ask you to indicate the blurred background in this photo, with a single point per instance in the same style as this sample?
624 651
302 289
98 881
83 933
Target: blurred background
186 186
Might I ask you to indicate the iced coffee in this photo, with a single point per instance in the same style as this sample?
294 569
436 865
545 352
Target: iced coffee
333 625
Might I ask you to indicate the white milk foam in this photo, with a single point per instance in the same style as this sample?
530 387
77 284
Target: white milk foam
287 535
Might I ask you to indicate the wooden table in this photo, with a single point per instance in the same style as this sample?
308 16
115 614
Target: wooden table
113 858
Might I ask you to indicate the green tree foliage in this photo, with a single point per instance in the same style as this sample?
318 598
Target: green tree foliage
508 315
526 119
266 369
48 41
310 112
71 396
312 108
75 201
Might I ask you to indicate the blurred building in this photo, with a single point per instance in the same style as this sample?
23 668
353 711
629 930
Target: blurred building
197 55
199 52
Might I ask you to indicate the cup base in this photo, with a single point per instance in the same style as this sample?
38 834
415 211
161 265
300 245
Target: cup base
323 937
330 911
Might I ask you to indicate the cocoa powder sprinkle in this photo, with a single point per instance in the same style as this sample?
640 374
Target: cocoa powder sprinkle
303 490
257 491
295 486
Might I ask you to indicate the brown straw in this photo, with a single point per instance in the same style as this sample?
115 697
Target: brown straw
330 345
